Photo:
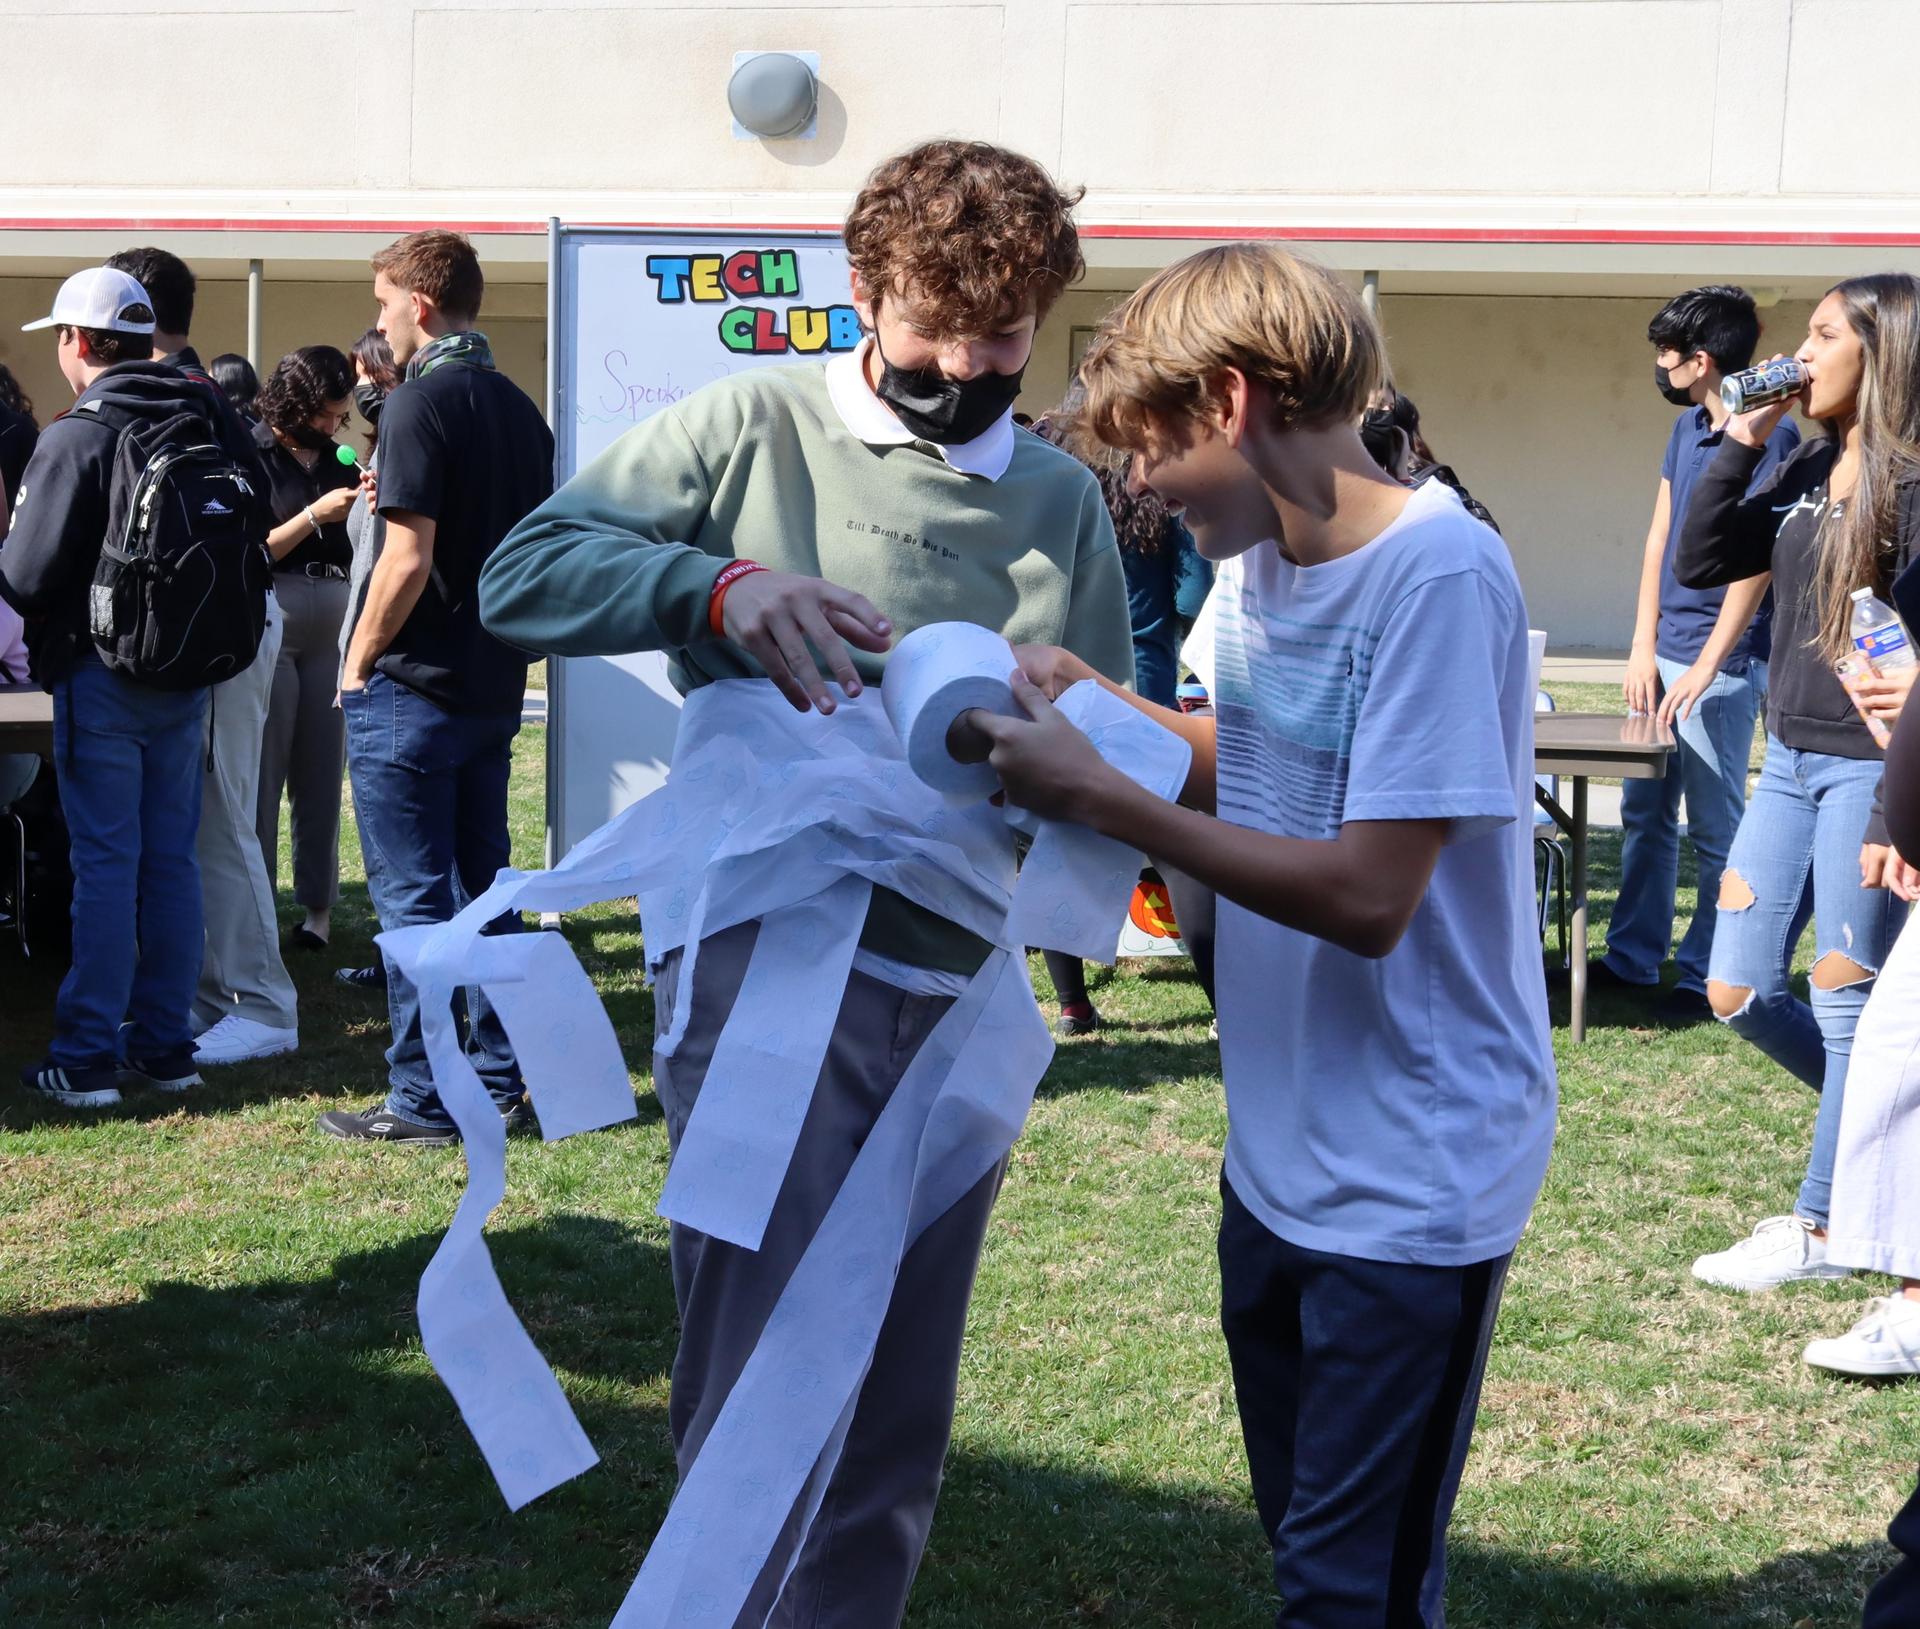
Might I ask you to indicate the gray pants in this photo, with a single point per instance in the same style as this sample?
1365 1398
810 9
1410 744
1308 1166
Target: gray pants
242 971
859 1560
304 751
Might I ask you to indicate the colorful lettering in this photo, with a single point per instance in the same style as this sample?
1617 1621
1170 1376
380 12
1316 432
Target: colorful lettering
706 278
736 329
758 330
806 328
780 274
669 273
742 272
843 328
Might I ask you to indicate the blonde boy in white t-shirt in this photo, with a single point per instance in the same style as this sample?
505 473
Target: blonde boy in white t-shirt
1390 1085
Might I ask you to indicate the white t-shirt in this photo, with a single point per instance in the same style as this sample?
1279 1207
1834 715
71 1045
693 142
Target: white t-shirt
1399 1109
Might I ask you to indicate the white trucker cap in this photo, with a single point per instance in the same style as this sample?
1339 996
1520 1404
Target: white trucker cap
97 298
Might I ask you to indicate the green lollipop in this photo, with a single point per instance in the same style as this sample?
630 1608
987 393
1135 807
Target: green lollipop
347 456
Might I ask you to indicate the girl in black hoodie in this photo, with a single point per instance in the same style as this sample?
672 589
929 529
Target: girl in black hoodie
1842 513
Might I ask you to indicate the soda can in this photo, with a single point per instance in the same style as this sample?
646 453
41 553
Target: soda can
1779 381
1858 665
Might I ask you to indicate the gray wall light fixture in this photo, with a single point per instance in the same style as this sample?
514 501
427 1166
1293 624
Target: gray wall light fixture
774 95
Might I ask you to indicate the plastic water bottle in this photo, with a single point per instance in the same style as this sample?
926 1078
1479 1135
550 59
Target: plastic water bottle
1879 634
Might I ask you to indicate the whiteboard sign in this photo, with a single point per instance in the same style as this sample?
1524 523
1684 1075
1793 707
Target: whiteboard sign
636 321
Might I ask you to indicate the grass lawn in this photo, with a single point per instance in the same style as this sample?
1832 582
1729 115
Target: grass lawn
214 1406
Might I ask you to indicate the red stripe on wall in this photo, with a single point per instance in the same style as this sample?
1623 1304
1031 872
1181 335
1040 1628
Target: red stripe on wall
1122 230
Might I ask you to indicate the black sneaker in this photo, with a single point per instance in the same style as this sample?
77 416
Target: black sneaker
166 1072
371 980
1599 977
1076 1021
77 1088
1678 1008
518 1114
381 1125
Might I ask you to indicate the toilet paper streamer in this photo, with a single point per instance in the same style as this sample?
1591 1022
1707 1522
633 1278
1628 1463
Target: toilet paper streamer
791 819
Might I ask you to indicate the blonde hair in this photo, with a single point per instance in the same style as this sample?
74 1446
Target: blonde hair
1860 543
1155 368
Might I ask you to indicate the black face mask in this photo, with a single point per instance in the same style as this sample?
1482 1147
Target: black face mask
304 435
944 411
369 398
1664 380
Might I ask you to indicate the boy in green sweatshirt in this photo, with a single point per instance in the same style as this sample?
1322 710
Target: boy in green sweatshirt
788 524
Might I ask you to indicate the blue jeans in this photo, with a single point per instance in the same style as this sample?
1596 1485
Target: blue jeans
1710 768
127 760
1797 854
430 795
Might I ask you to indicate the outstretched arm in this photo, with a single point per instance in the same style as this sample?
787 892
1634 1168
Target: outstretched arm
1359 890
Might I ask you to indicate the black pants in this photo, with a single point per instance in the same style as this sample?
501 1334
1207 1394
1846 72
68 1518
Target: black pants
1894 1602
1357 1383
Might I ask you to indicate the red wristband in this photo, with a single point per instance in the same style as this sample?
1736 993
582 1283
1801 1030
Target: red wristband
726 580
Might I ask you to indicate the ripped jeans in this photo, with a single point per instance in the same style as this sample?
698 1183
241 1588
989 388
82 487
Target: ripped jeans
1797 854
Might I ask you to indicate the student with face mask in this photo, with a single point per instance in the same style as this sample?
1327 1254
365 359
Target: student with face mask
375 375
1699 661
1841 514
709 531
303 407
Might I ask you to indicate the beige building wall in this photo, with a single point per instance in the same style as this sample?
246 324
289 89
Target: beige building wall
439 106
1528 178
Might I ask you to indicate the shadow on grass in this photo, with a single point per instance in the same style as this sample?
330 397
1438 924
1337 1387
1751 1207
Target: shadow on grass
1817 1589
277 1453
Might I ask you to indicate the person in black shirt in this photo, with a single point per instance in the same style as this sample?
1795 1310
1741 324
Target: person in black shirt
18 434
432 700
244 1007
127 756
304 404
1840 513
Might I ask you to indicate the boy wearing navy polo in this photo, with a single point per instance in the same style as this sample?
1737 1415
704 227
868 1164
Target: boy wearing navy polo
1383 1029
1699 661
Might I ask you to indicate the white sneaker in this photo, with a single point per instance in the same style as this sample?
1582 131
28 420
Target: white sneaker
1778 1251
1886 1341
240 1040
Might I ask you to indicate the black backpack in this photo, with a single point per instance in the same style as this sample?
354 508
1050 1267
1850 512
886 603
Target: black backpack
179 599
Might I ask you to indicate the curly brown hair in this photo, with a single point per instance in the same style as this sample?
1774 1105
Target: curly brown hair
971 233
301 384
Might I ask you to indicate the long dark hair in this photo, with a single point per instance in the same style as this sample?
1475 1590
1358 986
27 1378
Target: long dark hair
301 384
234 374
375 357
1856 550
1141 520
11 395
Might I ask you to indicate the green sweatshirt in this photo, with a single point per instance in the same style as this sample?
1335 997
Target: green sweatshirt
761 466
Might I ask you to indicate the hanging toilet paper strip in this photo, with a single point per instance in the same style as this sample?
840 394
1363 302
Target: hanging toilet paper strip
790 819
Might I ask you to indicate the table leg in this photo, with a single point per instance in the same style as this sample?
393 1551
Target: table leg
1577 933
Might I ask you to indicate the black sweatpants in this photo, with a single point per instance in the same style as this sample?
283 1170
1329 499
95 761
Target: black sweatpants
1894 1602
1357 1383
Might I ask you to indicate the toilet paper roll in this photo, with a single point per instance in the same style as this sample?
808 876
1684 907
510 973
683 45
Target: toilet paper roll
933 676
